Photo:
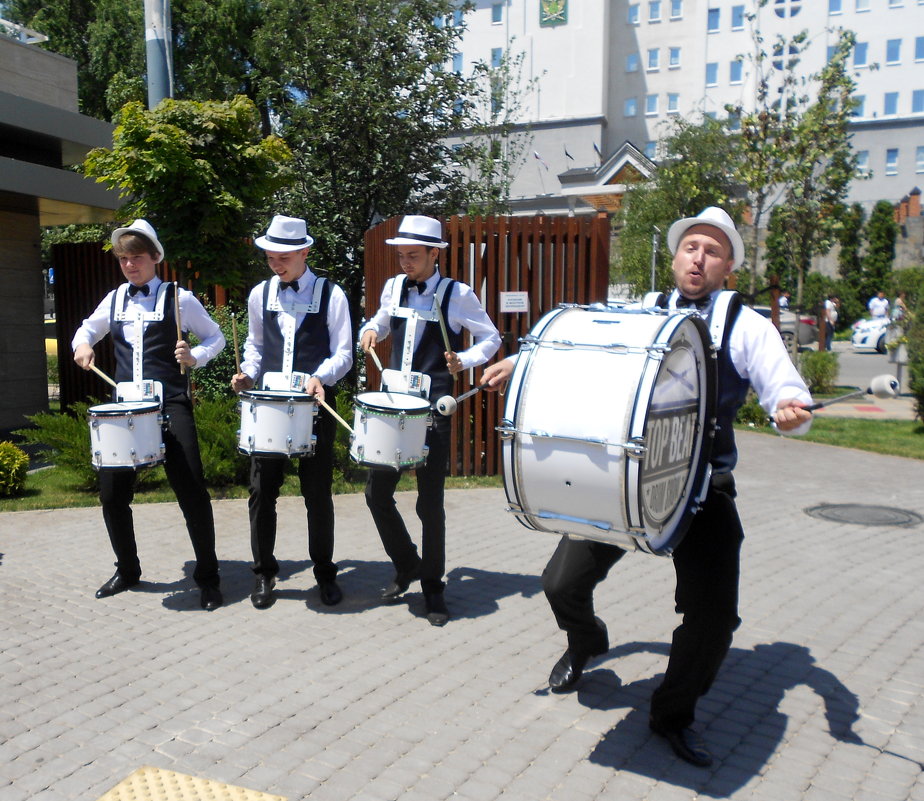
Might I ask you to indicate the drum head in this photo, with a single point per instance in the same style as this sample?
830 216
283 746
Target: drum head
123 408
278 396
673 416
392 402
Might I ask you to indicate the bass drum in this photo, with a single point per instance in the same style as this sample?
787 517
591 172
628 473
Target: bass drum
608 425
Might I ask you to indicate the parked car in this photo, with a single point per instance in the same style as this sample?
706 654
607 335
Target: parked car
803 328
870 334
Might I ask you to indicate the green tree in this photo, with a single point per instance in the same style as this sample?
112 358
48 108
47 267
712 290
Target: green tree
201 173
881 232
697 171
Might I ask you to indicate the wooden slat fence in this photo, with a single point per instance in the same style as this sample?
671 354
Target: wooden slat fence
554 259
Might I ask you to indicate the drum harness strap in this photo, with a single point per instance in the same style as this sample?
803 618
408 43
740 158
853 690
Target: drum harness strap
289 309
431 315
139 317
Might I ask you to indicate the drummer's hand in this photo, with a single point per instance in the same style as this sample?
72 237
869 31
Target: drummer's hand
183 354
453 362
84 356
241 382
790 414
497 374
315 387
370 340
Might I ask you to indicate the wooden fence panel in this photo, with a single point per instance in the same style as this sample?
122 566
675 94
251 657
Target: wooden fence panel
554 259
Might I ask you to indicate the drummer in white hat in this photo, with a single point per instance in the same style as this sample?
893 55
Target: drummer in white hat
426 315
750 352
299 338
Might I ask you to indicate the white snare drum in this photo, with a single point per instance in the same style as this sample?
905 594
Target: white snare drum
127 434
608 426
390 430
277 423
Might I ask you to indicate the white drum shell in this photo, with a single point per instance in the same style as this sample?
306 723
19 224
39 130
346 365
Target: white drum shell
574 412
277 423
127 434
390 430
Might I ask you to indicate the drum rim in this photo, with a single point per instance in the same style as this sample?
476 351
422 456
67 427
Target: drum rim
127 407
278 395
422 409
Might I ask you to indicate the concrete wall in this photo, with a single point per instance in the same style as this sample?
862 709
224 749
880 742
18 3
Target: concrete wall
36 74
23 372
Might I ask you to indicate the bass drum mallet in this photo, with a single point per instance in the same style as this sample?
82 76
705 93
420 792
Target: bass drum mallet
882 386
447 405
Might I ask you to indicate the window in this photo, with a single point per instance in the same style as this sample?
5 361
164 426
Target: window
919 48
457 63
860 50
919 159
712 73
457 17
831 51
676 9
712 24
632 17
917 101
859 108
651 149
654 11
834 7
632 62
497 13
651 105
654 59
862 162
630 107
893 51
673 58
787 8
497 55
673 103
891 164
735 71
895 3
890 107
737 15
862 5
734 122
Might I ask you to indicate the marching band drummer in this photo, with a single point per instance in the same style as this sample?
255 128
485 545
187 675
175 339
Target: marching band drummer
139 252
706 249
299 326
415 306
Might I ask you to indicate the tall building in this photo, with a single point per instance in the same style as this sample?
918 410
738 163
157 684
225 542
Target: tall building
609 75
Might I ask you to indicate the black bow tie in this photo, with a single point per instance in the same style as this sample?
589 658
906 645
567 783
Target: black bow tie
699 303
134 290
420 286
293 285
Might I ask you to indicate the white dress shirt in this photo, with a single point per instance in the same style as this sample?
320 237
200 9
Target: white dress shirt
193 317
465 311
335 366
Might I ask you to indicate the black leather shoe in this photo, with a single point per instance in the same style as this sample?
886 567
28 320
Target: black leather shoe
569 669
437 613
262 595
331 594
211 598
686 744
116 584
399 586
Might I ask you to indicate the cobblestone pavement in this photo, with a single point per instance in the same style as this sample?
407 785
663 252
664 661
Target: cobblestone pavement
820 697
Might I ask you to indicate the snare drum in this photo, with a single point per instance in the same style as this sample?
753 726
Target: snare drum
390 430
277 423
127 434
623 456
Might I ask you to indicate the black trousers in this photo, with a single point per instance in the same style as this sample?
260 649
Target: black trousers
183 466
706 564
315 475
431 480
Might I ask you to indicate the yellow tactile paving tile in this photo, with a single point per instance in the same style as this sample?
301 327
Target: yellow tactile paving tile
157 784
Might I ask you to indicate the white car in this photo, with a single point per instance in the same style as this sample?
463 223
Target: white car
790 323
870 334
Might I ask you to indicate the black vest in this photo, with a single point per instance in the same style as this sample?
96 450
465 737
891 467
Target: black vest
312 338
733 391
159 361
428 355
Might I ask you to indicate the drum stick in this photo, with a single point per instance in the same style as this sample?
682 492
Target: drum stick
375 357
179 327
439 314
237 352
102 375
336 416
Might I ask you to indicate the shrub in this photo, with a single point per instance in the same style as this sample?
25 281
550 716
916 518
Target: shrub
819 369
218 422
213 382
752 413
13 466
54 376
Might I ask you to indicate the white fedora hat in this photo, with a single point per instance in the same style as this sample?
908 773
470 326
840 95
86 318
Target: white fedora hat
145 229
285 234
715 217
418 230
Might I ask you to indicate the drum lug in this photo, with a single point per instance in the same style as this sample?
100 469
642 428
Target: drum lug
361 450
635 447
398 457
289 438
401 419
131 426
291 412
95 424
506 430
